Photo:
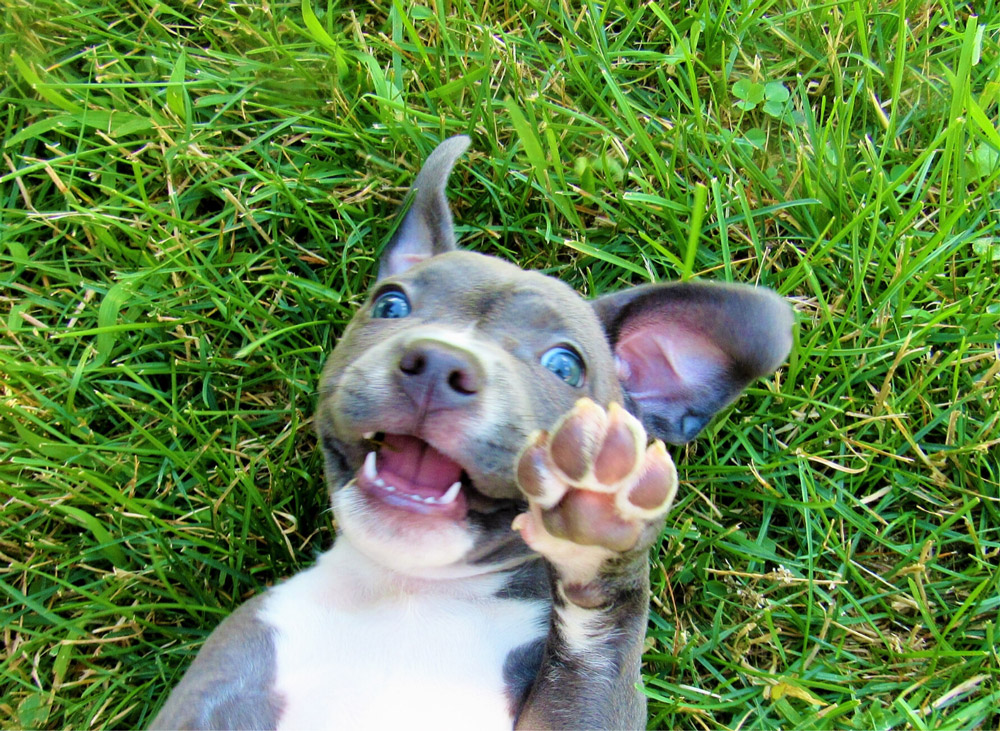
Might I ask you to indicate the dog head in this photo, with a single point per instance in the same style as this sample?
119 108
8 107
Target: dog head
457 357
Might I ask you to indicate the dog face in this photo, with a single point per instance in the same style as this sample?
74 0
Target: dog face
443 374
456 358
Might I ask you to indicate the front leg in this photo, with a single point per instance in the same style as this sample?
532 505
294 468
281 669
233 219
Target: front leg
597 499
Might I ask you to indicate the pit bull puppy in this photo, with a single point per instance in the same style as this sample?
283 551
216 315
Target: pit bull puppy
485 438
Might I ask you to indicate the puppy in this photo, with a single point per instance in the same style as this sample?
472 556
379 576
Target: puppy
485 438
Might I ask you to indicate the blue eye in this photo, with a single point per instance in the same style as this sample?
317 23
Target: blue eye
564 363
391 305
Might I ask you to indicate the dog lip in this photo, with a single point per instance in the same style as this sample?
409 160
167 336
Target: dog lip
377 440
395 497
475 499
400 478
369 471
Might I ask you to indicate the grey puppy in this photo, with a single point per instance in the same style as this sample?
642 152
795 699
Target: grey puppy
485 436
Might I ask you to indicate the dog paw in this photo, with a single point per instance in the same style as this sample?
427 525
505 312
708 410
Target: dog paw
594 488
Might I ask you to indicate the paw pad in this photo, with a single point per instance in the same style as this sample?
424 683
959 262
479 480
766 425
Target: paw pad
593 481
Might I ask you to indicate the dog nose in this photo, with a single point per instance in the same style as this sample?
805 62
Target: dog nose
437 375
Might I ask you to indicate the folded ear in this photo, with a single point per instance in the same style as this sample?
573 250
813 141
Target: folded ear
686 350
426 228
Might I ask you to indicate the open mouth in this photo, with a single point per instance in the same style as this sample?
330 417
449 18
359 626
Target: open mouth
408 473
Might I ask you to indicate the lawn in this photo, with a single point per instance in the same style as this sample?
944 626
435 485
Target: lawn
192 199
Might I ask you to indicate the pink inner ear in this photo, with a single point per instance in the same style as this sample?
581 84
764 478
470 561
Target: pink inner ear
668 361
411 246
408 260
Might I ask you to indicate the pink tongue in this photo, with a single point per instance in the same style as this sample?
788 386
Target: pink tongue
415 466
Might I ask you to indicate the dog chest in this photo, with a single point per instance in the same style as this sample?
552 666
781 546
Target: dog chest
358 650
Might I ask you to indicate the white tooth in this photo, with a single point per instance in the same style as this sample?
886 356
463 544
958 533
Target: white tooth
430 500
449 497
388 488
368 435
415 498
380 482
369 470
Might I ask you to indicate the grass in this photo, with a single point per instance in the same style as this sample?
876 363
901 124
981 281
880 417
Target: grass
192 197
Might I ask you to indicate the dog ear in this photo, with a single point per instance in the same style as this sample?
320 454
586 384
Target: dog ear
686 350
426 229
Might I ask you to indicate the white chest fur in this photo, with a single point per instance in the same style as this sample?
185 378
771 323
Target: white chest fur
357 646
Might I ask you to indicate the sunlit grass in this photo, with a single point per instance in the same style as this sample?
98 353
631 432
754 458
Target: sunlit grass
192 199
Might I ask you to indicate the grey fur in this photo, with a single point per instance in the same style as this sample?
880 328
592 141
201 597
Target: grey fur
429 217
520 670
229 684
528 581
